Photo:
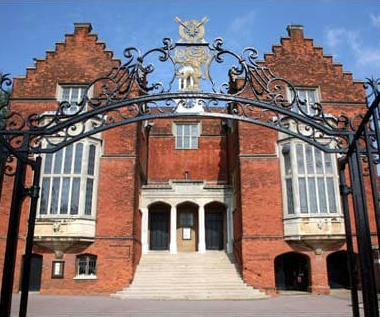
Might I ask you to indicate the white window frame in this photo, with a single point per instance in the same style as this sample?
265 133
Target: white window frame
317 97
85 276
82 89
83 182
294 176
186 123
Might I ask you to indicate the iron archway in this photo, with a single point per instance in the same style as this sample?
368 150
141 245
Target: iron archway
252 94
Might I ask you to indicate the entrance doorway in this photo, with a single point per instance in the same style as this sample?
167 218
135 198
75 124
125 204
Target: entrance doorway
159 221
215 226
187 227
292 271
35 272
337 270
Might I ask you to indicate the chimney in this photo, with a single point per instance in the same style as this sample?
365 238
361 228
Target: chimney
295 31
80 26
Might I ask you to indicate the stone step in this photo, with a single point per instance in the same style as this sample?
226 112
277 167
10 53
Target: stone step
188 262
203 295
183 260
198 290
188 276
171 281
189 292
186 280
153 274
175 284
190 269
184 294
187 267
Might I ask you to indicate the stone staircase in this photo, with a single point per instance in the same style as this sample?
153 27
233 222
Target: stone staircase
188 276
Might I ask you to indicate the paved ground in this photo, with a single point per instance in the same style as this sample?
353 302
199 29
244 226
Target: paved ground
302 305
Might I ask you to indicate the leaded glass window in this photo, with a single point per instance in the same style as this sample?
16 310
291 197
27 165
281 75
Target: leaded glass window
308 98
68 180
310 180
86 265
73 95
186 219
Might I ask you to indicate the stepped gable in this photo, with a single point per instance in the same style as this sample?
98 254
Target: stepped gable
81 58
299 61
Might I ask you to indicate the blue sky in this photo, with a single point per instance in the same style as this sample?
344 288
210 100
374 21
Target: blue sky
348 30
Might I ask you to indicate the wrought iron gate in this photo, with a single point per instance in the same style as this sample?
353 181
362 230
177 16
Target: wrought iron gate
252 94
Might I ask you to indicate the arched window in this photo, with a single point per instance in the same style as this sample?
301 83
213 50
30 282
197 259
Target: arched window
86 265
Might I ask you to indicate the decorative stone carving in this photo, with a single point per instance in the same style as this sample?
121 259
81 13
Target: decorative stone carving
56 226
191 31
193 60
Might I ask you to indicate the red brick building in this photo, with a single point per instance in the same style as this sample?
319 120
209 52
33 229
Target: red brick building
185 184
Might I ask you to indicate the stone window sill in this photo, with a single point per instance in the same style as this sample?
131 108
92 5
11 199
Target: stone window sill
85 277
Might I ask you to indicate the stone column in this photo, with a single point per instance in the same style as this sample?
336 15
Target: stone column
229 230
201 230
173 230
144 230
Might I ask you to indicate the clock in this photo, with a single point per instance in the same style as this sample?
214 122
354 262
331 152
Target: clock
192 30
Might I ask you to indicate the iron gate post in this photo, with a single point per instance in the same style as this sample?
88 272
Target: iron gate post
363 234
34 194
344 192
18 196
3 158
372 174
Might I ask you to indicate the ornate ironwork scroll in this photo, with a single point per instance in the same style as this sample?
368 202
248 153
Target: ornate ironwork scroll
130 93
252 93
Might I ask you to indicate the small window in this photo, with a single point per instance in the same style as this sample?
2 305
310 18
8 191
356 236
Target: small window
86 265
308 97
73 95
186 135
186 219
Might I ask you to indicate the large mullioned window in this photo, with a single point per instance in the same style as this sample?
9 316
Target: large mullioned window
310 180
69 180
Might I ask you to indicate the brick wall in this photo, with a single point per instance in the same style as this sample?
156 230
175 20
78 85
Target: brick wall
297 60
208 162
132 155
79 60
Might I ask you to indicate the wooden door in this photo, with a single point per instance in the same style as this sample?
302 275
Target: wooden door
35 273
214 231
159 231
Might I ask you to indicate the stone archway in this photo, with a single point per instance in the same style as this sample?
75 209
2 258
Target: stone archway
187 227
337 269
215 226
159 224
292 271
